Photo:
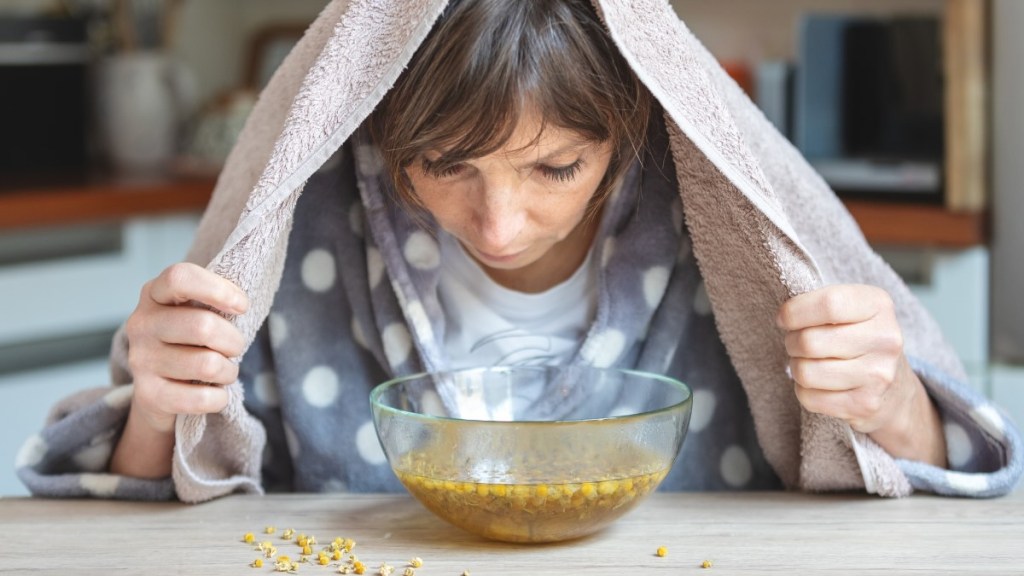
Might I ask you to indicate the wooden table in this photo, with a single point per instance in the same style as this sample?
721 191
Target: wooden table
742 533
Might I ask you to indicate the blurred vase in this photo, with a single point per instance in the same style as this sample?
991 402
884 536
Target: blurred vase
142 100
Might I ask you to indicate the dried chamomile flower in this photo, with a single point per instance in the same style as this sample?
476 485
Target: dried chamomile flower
345 569
283 564
409 571
287 534
302 540
349 544
249 538
385 569
307 550
358 567
416 562
257 563
269 530
662 551
705 564
465 573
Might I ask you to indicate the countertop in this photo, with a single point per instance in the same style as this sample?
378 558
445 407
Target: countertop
739 533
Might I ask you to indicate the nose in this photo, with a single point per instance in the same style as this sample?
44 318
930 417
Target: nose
501 216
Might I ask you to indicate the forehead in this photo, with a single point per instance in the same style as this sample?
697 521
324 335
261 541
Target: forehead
531 135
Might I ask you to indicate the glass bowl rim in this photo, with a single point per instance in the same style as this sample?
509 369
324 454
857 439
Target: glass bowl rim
379 390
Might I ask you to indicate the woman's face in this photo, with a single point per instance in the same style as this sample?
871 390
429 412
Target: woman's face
513 208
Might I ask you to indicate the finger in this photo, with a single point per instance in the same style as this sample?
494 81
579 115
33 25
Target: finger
843 341
196 327
192 363
187 398
828 402
860 410
184 282
839 304
871 373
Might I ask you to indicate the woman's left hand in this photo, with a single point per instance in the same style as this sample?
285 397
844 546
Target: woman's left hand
846 357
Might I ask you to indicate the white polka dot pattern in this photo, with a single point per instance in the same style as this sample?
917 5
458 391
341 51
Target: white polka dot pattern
95 456
368 445
958 445
655 281
265 389
431 405
605 348
374 266
989 419
703 409
119 398
320 386
421 251
967 483
334 486
278 329
419 319
735 467
31 452
318 271
607 251
397 344
358 334
101 485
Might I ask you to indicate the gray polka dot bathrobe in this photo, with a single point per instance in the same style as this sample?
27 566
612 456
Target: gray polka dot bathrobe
721 223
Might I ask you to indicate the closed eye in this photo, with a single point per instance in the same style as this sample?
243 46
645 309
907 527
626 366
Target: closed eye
562 173
440 169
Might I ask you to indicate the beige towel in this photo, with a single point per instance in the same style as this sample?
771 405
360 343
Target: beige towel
764 226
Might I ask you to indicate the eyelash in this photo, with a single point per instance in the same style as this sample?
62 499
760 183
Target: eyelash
557 174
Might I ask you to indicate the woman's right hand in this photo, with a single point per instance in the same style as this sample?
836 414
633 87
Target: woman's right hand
180 354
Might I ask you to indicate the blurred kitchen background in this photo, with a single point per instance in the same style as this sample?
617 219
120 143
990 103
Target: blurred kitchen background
117 114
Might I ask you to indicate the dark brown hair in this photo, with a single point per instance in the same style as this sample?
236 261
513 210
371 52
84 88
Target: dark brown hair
486 62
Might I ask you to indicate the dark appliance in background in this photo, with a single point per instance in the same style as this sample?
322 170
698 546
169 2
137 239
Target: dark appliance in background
44 101
869 105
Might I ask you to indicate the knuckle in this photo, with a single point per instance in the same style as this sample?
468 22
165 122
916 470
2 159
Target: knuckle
832 302
205 326
208 366
809 343
178 275
871 404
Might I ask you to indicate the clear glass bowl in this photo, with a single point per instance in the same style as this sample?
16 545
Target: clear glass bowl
533 453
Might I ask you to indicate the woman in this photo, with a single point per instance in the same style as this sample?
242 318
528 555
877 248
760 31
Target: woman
512 200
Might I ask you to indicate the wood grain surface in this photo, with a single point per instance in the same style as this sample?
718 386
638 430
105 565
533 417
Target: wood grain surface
740 533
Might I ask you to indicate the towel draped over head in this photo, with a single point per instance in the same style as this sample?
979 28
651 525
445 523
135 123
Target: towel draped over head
763 224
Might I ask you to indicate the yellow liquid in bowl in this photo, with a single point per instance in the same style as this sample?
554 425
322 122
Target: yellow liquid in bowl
530 512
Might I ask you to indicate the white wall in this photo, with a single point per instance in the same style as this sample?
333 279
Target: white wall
1007 181
214 36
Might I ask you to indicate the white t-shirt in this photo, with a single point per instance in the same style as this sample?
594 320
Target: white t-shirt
490 325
